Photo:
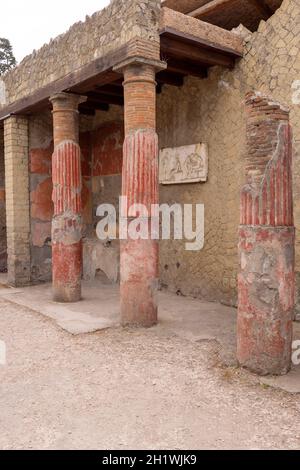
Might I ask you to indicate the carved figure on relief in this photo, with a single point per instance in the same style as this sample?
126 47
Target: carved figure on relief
187 164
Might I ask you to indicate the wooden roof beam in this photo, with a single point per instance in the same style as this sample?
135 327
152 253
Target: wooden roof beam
170 78
204 35
215 6
97 97
89 108
172 48
186 68
112 89
211 7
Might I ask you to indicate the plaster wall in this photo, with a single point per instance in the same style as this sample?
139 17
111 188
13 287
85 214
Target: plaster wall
212 111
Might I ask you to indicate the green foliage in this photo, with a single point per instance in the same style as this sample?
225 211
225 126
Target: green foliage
7 58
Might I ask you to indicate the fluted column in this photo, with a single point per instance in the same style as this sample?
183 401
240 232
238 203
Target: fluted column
267 239
67 184
139 258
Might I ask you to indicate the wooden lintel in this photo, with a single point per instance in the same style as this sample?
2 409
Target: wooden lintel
200 33
171 47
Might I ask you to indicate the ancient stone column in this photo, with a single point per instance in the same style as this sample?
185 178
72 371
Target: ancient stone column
139 258
267 239
66 222
16 151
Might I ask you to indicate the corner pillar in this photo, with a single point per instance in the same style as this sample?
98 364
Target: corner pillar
267 241
139 258
67 185
16 151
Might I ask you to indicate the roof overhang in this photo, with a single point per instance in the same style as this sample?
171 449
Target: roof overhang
189 46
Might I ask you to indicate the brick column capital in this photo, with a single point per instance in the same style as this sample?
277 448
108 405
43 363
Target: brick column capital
137 61
66 117
66 101
139 92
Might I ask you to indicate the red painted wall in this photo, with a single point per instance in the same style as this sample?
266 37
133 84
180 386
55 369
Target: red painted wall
107 148
101 156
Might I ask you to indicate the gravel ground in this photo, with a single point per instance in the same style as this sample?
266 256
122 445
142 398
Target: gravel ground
132 389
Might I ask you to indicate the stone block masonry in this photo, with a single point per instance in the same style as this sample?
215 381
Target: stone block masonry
267 241
104 32
17 200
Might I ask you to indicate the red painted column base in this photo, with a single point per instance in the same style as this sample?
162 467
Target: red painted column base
139 282
139 258
266 299
66 258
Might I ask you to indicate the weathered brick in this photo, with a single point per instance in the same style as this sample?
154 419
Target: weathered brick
17 199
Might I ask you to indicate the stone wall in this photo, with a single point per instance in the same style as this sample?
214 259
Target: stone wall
205 111
100 34
212 111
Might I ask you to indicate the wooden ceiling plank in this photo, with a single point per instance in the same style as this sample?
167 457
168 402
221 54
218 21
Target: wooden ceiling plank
94 106
105 98
110 90
262 8
186 68
170 78
214 6
87 111
183 6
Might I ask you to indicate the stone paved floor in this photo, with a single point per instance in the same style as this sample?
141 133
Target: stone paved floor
120 389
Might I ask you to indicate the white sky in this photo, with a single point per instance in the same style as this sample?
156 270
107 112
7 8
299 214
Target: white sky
28 24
